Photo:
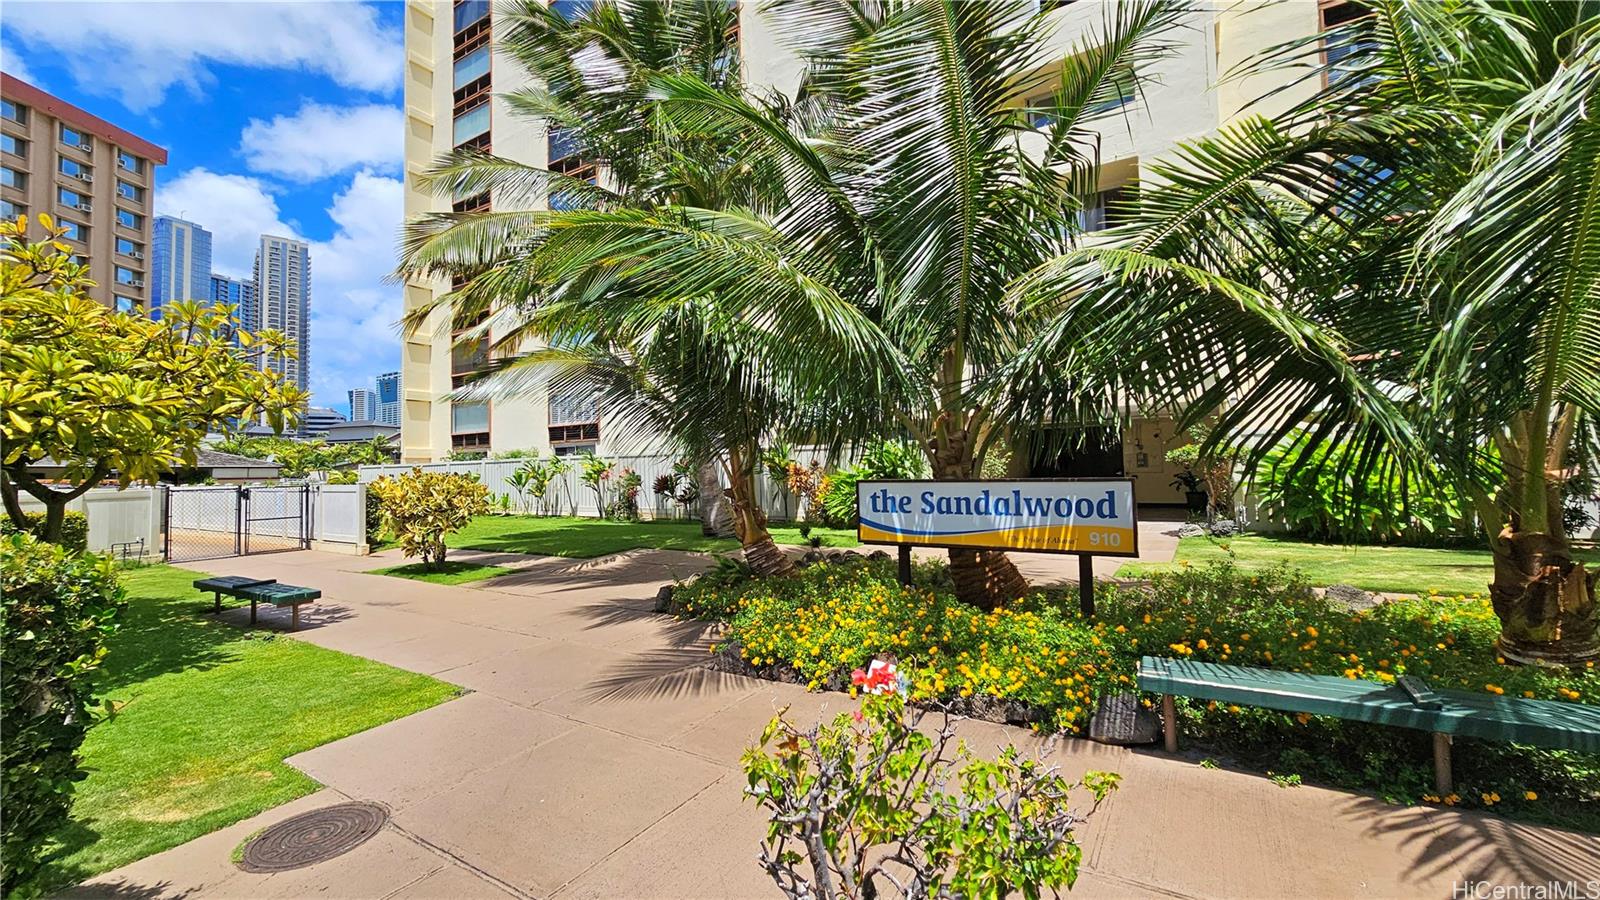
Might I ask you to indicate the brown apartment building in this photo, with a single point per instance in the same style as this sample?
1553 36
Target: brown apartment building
95 179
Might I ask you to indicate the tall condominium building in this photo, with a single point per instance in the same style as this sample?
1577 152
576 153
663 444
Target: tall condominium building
283 296
456 80
241 294
180 263
96 180
389 398
363 405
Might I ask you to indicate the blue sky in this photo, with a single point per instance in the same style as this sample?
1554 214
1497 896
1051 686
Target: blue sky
279 117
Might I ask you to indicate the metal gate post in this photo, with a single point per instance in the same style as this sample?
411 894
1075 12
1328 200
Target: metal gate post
241 534
166 523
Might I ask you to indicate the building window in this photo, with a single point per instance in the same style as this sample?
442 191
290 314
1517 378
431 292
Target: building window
11 210
130 191
129 220
475 203
71 199
14 145
574 418
471 67
128 276
574 449
466 418
14 112
75 138
570 9
470 12
74 169
78 259
12 178
76 231
126 304
473 123
130 248
1104 209
129 163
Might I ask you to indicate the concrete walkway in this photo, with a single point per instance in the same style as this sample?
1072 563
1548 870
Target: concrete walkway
592 758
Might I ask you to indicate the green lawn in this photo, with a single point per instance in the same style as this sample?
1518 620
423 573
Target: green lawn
1412 570
207 714
450 572
583 538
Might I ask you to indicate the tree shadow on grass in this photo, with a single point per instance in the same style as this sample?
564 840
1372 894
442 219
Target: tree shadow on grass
166 631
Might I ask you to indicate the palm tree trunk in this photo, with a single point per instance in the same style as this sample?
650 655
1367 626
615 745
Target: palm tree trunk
750 520
1545 600
714 517
984 578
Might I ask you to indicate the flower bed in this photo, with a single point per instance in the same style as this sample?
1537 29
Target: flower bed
1039 661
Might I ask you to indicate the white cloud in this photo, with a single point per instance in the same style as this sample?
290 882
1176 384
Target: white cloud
15 66
236 209
137 51
319 141
353 308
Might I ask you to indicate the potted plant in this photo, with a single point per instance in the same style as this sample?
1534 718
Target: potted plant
1192 484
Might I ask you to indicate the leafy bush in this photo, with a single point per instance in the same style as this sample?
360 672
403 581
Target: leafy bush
373 517
889 459
58 609
595 471
74 528
1315 498
901 808
1040 655
420 508
625 507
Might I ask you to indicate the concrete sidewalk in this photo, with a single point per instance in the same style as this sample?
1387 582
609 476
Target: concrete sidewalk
592 758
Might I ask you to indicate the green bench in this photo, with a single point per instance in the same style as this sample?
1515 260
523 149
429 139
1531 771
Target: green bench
1445 713
260 590
227 584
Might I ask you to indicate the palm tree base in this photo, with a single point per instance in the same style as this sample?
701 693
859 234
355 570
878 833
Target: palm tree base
985 578
1545 601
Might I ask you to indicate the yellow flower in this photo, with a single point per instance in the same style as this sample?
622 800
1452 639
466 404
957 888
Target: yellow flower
1530 795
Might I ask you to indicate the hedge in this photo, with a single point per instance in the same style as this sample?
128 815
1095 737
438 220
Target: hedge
74 528
56 610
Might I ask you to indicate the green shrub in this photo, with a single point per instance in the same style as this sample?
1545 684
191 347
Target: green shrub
58 609
1307 489
74 528
1040 652
901 805
889 459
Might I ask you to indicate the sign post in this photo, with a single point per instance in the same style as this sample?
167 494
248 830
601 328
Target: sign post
1087 517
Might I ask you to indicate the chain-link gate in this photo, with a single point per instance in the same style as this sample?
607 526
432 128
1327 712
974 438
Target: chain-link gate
211 522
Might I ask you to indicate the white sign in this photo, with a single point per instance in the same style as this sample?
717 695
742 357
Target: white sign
1051 515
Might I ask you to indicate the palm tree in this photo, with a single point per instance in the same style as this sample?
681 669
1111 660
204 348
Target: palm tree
680 372
916 187
1405 267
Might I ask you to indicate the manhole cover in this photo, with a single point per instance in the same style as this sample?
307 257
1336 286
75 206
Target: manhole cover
312 837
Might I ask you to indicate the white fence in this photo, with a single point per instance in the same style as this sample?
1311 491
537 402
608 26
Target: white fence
568 495
126 521
131 522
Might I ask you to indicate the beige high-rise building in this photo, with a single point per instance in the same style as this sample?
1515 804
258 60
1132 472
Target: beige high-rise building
95 179
453 89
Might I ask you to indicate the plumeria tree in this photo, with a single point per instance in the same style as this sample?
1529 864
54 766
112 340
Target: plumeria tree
1399 275
103 394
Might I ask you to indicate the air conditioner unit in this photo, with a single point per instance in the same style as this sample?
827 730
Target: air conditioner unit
84 207
136 254
85 176
137 282
85 147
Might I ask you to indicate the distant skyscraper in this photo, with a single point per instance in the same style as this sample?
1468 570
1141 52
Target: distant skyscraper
241 294
180 263
363 405
283 289
389 398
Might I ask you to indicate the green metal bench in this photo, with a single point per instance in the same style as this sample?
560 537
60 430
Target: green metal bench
1446 713
227 584
279 595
